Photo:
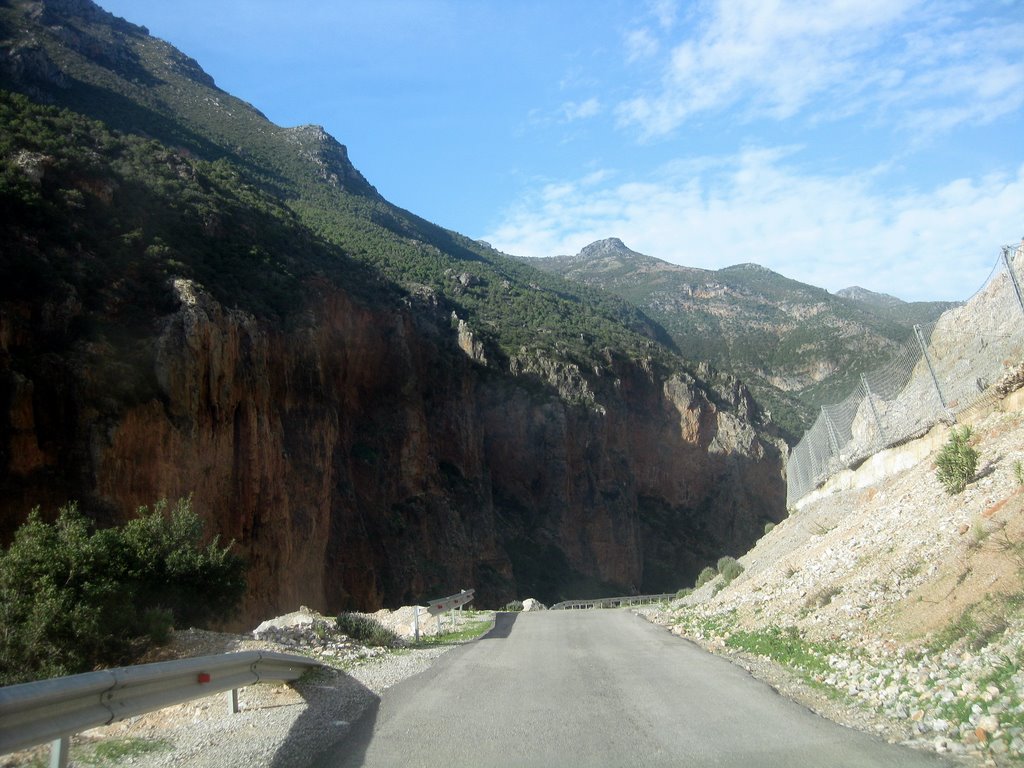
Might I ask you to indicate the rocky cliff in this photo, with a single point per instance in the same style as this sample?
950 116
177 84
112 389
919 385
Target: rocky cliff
364 460
376 410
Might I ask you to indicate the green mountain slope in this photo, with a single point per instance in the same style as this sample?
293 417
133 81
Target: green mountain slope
795 345
196 301
111 70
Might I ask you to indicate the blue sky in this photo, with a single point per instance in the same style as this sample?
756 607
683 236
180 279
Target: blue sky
877 143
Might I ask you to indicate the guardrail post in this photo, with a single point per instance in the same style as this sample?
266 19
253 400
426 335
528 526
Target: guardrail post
233 701
60 750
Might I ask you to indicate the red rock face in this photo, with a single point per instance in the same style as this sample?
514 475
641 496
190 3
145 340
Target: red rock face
361 458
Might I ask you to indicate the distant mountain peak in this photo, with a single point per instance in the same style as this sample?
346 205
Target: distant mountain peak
610 246
856 293
330 157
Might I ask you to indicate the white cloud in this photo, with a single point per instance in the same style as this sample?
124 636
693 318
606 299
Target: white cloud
572 111
664 12
832 232
641 44
780 58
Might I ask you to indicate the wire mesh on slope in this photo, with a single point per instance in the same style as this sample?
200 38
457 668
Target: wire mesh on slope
941 370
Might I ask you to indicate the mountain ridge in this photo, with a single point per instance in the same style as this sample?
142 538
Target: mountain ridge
197 301
794 344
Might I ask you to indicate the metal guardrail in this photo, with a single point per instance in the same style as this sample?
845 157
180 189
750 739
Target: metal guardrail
54 710
610 602
451 602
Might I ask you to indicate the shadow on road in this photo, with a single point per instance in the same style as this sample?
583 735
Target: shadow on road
349 749
336 705
502 626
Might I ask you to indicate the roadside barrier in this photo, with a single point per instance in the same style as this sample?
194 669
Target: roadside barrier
610 602
54 710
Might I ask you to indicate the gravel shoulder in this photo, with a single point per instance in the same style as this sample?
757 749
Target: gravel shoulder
279 725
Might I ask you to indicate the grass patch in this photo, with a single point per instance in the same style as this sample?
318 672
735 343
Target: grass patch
979 624
822 597
112 751
820 529
785 646
469 631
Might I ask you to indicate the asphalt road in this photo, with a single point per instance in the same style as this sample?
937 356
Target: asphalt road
598 688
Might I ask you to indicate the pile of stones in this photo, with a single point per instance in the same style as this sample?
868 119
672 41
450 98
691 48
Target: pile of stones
309 632
1010 381
961 701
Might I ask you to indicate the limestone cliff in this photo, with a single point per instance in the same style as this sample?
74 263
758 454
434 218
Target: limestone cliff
363 459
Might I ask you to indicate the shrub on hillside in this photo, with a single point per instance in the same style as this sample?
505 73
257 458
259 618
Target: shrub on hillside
367 630
730 568
73 598
706 575
957 461
513 606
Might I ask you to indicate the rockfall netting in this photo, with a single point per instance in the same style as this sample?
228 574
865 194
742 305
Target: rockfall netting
941 370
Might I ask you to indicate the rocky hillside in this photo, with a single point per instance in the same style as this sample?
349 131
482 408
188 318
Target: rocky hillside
795 345
377 410
892 605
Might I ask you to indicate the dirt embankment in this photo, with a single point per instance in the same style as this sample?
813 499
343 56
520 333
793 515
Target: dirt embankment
895 607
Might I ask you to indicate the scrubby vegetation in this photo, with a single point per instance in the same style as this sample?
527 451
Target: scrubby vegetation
730 568
367 630
220 222
957 462
707 574
62 179
73 597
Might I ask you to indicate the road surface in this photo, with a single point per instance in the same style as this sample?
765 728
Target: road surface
598 688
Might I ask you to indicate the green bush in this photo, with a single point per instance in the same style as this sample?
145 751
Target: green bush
367 630
73 598
513 606
730 568
957 461
684 592
768 528
705 576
